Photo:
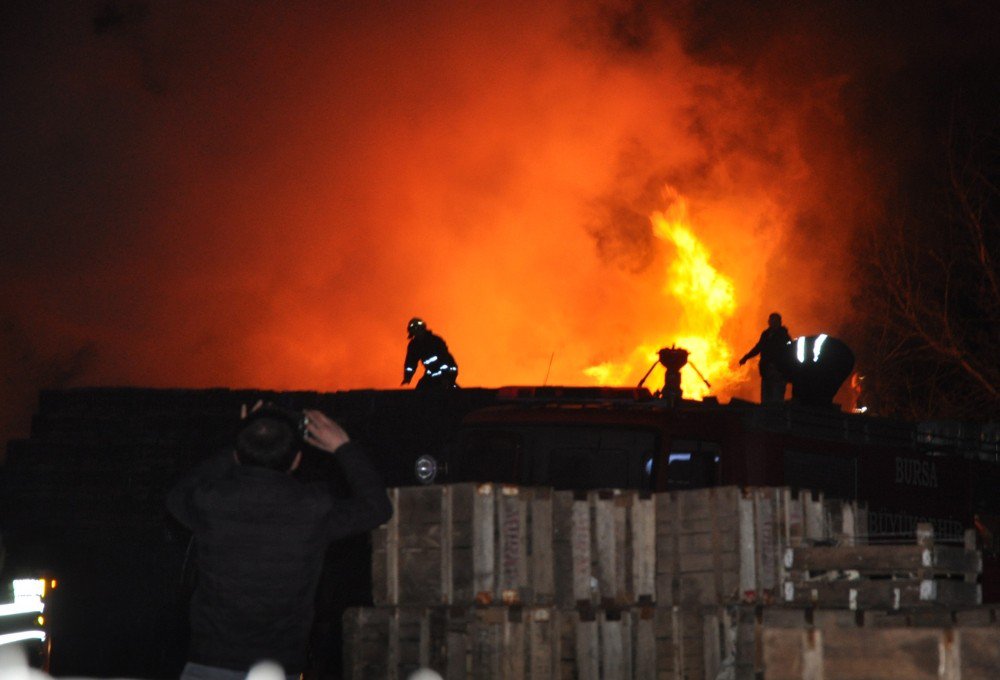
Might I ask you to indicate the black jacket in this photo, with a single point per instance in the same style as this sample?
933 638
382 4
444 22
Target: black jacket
431 350
772 348
260 537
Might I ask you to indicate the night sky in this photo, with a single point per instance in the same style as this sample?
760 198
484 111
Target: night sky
261 194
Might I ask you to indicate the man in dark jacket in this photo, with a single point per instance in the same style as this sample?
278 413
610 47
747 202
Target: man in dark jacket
440 368
260 536
772 348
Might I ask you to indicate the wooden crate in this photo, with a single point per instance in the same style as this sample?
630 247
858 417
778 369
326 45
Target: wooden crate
524 643
484 543
734 634
725 545
502 643
603 548
464 544
885 653
390 643
460 643
884 576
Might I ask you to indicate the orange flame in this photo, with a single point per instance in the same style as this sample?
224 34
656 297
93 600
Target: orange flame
707 299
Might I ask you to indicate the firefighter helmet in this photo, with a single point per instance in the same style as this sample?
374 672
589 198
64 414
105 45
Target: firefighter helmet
415 326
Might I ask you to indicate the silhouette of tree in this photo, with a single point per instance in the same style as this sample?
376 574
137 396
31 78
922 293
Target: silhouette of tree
930 295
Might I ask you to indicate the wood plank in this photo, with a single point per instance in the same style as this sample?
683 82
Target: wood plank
608 536
748 563
643 524
543 642
514 646
580 547
459 643
884 559
616 643
815 517
562 549
951 593
447 575
512 549
767 543
910 653
587 639
882 593
484 553
644 642
542 561
859 654
979 652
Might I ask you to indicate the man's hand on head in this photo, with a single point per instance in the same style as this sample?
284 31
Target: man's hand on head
324 433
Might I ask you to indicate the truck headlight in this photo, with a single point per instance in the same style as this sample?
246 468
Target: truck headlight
426 469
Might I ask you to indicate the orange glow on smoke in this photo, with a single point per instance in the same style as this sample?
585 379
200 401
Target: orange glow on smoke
269 209
707 300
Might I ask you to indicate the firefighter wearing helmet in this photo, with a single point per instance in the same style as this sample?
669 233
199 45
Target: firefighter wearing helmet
440 368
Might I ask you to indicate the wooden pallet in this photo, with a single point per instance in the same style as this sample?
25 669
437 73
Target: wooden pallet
735 644
465 544
725 545
604 548
525 643
885 653
488 544
884 576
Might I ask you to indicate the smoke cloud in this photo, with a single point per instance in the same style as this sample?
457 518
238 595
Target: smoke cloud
262 194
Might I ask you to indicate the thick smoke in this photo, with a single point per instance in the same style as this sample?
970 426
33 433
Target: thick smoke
261 194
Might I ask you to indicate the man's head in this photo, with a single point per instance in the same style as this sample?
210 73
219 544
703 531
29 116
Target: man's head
774 320
415 327
268 441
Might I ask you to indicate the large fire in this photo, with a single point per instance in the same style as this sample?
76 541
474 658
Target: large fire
217 197
707 299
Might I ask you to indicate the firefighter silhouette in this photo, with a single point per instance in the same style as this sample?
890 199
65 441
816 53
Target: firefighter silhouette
429 349
773 350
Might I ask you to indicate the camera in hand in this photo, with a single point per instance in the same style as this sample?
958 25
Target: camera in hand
296 420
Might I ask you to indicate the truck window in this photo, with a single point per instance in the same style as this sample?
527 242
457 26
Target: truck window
489 456
560 456
692 465
593 458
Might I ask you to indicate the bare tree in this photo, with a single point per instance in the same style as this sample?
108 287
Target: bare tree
931 298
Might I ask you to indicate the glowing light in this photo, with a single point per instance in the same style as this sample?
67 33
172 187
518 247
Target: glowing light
817 345
29 588
25 606
800 350
22 636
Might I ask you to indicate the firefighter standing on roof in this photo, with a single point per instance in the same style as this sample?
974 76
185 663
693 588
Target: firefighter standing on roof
440 368
771 347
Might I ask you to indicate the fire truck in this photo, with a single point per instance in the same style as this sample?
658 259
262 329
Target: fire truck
591 437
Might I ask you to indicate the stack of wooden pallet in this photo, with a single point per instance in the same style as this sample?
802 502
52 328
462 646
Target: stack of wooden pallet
484 580
492 581
885 576
804 643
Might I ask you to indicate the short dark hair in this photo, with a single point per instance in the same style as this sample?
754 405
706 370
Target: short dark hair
267 442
